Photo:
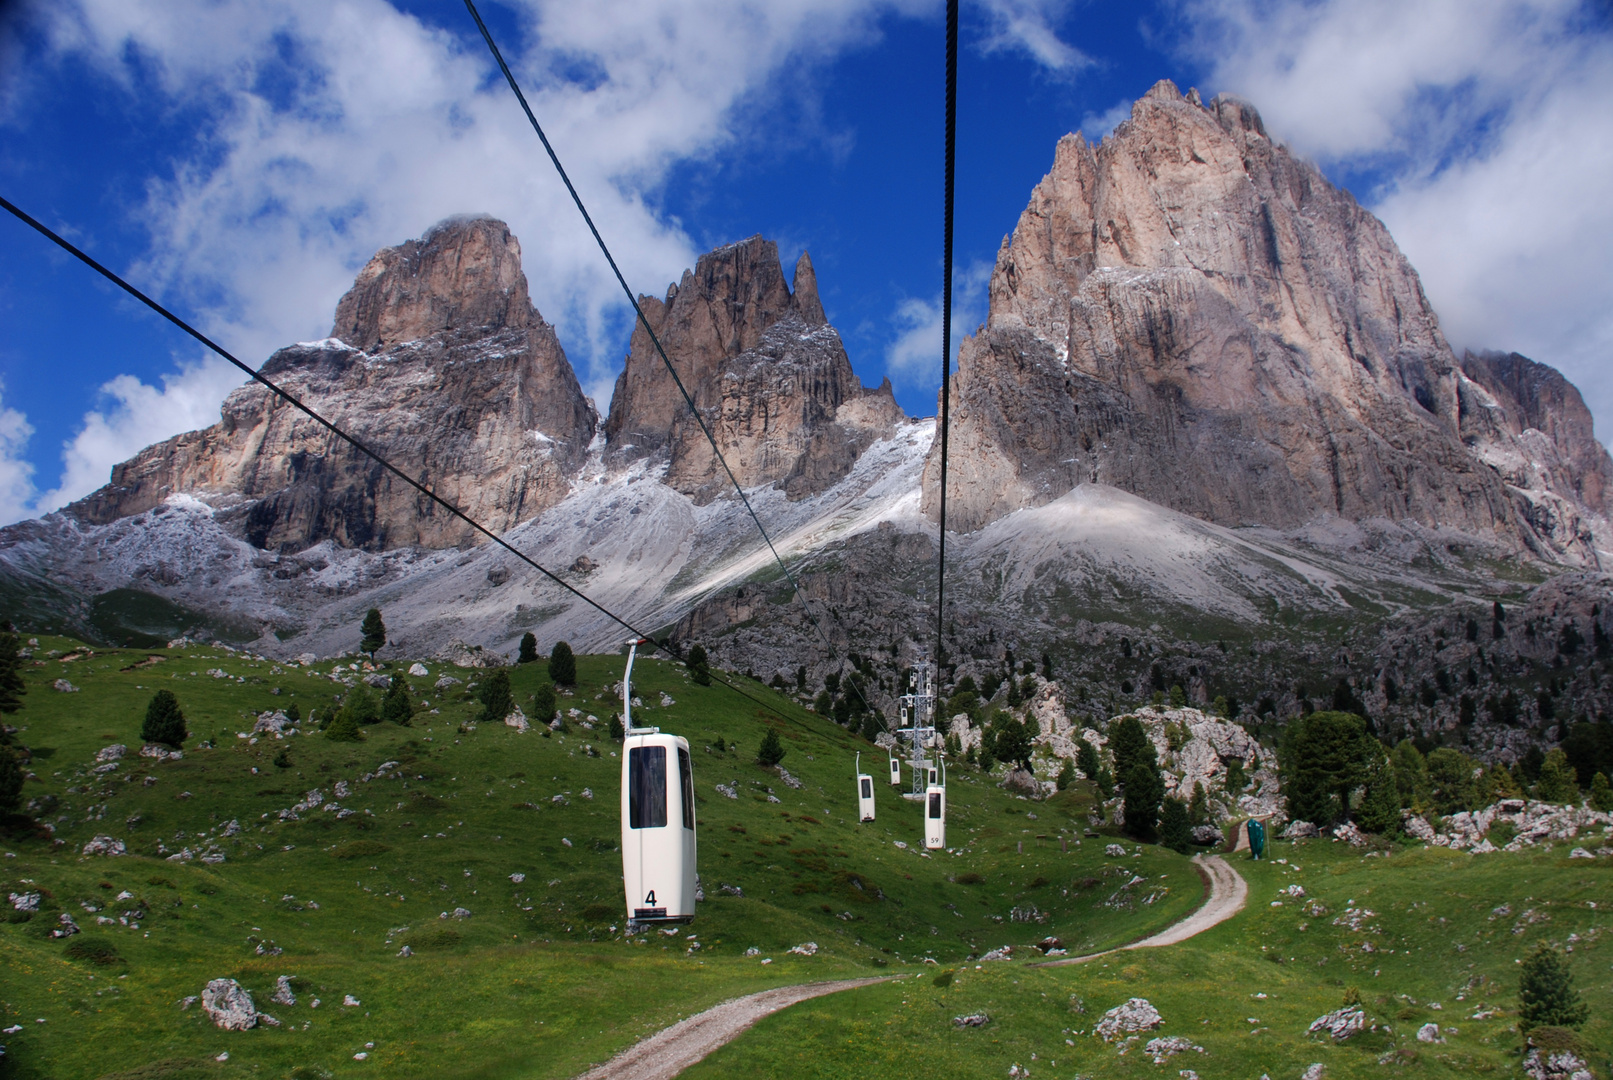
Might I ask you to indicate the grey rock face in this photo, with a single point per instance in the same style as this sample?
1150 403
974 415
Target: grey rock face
441 364
1188 312
767 372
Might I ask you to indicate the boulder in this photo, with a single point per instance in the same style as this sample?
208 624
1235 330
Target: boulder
229 1006
1339 1024
978 1019
1162 1048
379 681
1299 830
111 753
283 994
1541 1064
418 670
1134 1015
1022 782
1208 834
105 845
1350 834
63 686
1429 1033
1114 851
517 720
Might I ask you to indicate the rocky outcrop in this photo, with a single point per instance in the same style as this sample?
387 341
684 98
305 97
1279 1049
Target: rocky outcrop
764 367
439 362
1188 312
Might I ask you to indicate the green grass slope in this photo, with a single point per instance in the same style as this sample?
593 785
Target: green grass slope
1441 945
539 980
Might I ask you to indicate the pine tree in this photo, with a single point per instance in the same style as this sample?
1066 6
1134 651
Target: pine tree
360 707
698 665
1411 773
617 732
164 722
772 751
543 704
344 729
1380 807
1129 743
529 647
12 687
1013 741
1236 780
871 726
1198 810
1450 780
395 706
1106 783
1145 789
1178 696
293 713
495 698
562 665
1047 667
1324 756
11 778
1557 783
800 679
374 631
1546 992
1066 775
1175 831
1601 793
1086 759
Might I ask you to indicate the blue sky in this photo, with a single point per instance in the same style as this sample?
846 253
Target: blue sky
241 159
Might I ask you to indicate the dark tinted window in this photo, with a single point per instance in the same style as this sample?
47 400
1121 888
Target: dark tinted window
686 775
935 804
646 787
868 788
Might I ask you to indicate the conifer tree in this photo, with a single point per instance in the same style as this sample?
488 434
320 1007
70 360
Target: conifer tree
562 665
12 687
1546 992
529 647
395 706
543 704
1145 789
293 713
617 731
1380 807
1175 831
164 722
1086 759
1198 810
344 728
1066 775
374 631
698 665
772 751
1557 783
495 698
1013 741
1129 743
1601 793
11 779
1411 773
359 706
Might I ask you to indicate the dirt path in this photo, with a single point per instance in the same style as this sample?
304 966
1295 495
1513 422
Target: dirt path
667 1053
1228 893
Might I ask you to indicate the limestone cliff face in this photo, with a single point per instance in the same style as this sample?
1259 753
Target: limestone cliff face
766 370
1188 312
439 362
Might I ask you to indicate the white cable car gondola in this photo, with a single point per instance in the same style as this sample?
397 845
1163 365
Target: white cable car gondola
865 793
896 772
658 831
935 812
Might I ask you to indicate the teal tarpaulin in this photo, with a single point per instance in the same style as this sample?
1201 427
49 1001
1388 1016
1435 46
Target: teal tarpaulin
1257 838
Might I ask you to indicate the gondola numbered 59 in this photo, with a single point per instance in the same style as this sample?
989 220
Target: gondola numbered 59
935 811
658 826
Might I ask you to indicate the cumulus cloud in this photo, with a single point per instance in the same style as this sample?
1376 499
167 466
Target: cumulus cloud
136 415
340 126
16 472
910 357
1028 26
1485 127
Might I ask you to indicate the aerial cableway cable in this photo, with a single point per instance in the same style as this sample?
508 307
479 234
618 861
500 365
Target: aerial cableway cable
352 441
509 77
946 327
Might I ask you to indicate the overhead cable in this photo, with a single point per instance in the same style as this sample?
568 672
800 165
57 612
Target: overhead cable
946 328
655 340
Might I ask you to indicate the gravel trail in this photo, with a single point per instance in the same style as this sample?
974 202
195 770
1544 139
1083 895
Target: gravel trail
667 1053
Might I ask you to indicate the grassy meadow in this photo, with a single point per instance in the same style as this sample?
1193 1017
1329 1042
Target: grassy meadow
539 979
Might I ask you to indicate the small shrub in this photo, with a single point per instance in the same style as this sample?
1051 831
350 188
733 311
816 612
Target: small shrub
344 729
164 722
357 849
434 937
771 752
95 950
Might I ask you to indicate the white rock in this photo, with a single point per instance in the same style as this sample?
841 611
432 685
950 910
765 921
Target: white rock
809 948
283 994
1429 1033
517 720
1340 1024
64 686
1555 1065
1299 830
25 901
102 844
111 753
1314 1072
1115 851
418 670
229 1005
518 878
350 1001
1134 1015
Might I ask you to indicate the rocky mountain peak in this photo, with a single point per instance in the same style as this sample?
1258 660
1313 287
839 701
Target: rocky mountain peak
464 273
769 374
439 362
1190 313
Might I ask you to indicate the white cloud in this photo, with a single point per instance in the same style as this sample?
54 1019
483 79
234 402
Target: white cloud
16 473
137 416
1096 125
910 357
1028 26
345 125
1487 121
